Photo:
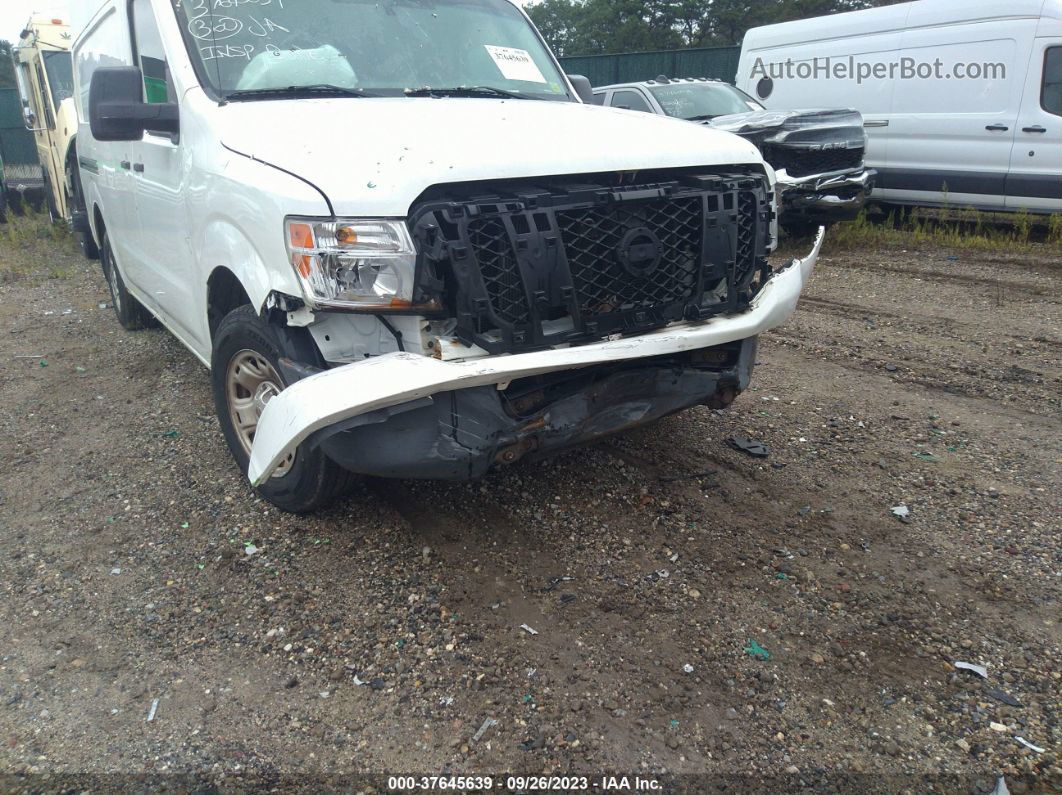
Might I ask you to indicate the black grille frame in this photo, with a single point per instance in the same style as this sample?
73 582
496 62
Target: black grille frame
806 161
526 266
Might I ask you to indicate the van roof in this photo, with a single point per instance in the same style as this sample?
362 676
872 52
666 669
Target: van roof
922 13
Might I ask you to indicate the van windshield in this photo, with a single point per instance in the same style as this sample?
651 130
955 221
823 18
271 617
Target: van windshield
368 47
698 101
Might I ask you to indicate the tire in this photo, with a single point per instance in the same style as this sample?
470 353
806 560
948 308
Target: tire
130 313
244 367
79 217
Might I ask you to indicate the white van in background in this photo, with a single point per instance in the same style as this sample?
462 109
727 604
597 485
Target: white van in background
961 99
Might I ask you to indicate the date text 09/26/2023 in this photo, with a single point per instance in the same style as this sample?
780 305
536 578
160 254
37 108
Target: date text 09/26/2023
523 783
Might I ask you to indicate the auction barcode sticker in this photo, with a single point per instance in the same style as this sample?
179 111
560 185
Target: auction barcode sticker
515 64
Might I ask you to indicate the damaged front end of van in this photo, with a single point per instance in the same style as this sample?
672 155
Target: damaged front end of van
540 314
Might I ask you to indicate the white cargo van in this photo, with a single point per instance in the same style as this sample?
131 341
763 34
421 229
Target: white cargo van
962 99
404 242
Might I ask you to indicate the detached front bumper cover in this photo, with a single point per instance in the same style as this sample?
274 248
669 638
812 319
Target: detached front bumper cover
335 396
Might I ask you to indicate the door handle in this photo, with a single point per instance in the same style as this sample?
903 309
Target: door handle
138 168
125 165
997 127
1036 129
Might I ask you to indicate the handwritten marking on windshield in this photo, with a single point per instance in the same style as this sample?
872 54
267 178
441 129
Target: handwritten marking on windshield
227 51
264 27
222 28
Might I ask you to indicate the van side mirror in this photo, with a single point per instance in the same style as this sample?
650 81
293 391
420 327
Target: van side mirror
117 111
582 88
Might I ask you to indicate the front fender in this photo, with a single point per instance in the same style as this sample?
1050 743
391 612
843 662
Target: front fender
225 245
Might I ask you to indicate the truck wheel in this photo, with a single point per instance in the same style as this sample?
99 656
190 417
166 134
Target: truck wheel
245 375
131 314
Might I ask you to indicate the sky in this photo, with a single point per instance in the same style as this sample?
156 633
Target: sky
15 13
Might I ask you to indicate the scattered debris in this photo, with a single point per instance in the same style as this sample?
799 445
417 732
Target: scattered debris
446 701
1006 698
555 581
116 571
153 710
687 668
250 549
997 727
171 434
901 512
1029 745
529 630
980 670
358 682
29 356
567 598
44 362
487 725
922 455
750 446
756 650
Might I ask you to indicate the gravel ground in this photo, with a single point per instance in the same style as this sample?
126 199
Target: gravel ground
137 568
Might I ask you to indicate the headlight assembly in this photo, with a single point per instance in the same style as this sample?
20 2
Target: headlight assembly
353 264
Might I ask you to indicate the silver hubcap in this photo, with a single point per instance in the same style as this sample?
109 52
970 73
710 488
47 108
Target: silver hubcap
250 383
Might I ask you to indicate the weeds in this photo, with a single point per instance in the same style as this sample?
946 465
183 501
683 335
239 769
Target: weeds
33 245
946 227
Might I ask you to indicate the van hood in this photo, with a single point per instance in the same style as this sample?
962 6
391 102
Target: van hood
375 156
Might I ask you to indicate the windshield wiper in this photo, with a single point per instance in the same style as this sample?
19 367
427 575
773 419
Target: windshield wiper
465 91
297 92
703 117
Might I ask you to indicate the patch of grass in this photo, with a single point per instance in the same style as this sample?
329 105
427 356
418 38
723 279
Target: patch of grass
946 227
31 245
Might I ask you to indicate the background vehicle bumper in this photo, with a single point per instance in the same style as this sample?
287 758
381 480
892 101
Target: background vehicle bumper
387 382
827 199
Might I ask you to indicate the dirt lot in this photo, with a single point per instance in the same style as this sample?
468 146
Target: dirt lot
653 566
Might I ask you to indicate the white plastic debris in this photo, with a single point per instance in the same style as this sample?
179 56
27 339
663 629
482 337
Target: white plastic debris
487 724
901 511
153 710
980 670
687 668
358 681
116 571
1000 788
1029 745
250 549
997 727
529 630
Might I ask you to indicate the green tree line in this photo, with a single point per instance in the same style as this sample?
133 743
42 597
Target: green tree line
592 27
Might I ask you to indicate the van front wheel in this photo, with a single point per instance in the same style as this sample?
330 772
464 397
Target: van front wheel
131 314
245 375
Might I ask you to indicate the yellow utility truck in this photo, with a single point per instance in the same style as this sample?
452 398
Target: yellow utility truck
46 83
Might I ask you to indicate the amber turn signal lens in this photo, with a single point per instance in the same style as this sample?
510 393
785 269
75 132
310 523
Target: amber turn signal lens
346 236
305 265
301 235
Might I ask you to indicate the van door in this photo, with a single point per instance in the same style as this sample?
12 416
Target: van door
163 243
953 124
1035 179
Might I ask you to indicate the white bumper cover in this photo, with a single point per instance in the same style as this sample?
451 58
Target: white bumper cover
345 392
